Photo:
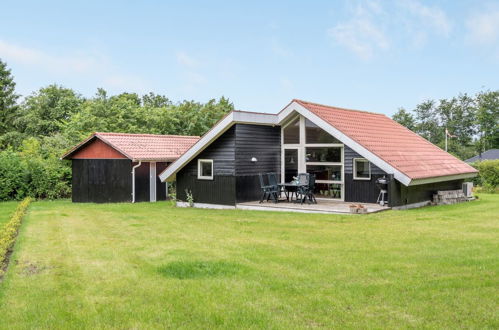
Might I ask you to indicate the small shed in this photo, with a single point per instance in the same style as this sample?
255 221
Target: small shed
120 167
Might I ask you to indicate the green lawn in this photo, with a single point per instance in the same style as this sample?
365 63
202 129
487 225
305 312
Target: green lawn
154 266
6 211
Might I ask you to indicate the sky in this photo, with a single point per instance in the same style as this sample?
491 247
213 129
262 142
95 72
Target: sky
370 55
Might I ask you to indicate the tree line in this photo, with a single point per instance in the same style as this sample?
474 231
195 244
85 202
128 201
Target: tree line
471 122
37 129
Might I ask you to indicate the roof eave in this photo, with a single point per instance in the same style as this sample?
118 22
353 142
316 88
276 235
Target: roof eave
416 182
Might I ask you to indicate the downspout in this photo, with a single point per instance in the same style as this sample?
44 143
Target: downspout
133 180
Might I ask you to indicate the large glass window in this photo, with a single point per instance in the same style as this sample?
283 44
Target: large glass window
315 134
323 154
326 172
361 169
290 164
291 133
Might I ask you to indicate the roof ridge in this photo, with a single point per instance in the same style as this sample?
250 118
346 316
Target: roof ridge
337 108
145 134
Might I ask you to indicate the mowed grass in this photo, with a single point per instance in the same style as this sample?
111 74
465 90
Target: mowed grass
150 265
6 211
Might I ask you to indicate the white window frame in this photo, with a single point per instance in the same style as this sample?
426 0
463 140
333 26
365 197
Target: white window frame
302 164
201 177
354 166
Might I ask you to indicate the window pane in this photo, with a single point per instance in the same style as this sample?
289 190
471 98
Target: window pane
328 190
290 164
315 134
323 154
206 169
361 168
325 172
292 132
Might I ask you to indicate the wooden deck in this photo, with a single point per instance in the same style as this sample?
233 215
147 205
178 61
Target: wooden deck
322 206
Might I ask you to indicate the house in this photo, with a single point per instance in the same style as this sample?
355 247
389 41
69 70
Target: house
347 150
118 167
491 154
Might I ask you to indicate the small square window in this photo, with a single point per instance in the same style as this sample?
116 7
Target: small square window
361 169
205 169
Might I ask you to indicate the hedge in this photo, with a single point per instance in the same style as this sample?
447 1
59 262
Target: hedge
488 177
8 232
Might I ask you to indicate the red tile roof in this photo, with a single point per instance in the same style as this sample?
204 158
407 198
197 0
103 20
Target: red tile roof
403 149
143 146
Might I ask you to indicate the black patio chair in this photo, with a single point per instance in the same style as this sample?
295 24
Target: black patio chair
306 190
268 191
275 189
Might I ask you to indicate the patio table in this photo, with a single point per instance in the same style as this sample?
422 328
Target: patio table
290 188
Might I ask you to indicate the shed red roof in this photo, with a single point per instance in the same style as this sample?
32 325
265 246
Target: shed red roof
403 149
142 146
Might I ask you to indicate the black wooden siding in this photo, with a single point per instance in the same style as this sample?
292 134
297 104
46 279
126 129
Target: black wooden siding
235 177
101 180
349 156
222 151
363 191
160 186
220 190
142 183
263 143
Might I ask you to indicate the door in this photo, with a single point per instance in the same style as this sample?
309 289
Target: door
290 161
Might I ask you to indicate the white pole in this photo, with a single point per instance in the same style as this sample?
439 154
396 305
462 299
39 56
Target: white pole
133 180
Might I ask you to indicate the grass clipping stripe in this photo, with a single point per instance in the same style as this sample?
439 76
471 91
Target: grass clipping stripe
9 231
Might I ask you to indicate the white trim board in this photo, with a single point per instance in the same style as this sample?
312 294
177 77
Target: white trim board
152 181
234 117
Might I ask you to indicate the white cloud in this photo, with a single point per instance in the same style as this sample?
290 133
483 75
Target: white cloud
483 28
361 34
187 60
71 64
377 26
87 65
427 16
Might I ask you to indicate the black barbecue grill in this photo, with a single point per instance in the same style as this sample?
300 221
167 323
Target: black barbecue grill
382 184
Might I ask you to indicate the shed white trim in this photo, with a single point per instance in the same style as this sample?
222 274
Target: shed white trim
152 181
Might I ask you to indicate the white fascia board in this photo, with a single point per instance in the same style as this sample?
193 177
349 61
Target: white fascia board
416 182
232 118
242 117
358 148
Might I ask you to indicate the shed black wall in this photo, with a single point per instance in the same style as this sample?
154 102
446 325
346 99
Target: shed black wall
142 183
101 180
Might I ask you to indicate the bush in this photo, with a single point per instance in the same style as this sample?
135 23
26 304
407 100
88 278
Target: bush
14 176
8 232
31 173
488 178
